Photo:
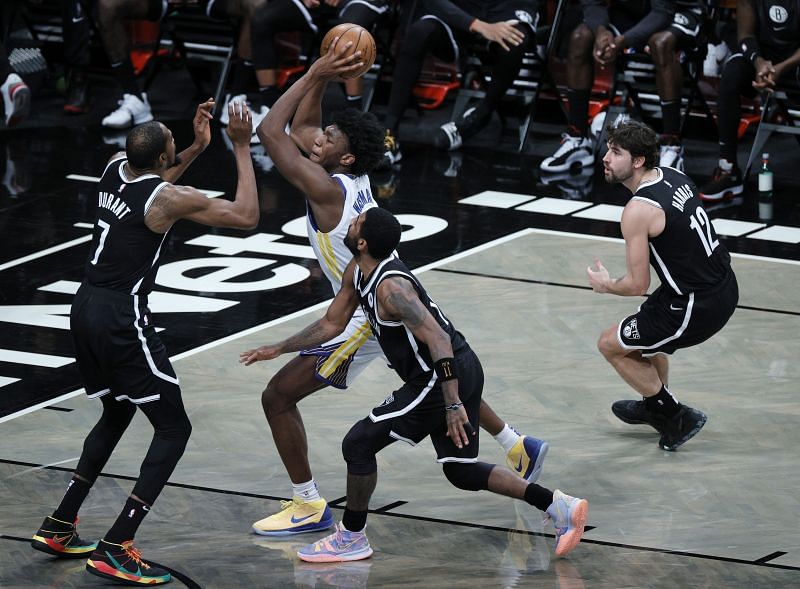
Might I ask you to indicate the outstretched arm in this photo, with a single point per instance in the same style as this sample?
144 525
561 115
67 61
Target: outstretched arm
202 137
322 330
399 301
307 121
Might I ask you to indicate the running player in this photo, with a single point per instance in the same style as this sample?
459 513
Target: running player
335 182
664 224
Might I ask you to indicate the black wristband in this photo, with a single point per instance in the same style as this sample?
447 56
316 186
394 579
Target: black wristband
749 47
445 369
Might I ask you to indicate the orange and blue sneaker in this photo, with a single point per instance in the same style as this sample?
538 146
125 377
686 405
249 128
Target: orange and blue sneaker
341 546
123 563
296 517
526 457
60 538
569 518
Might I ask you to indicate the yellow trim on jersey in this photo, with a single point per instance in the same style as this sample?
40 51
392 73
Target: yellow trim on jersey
328 255
349 347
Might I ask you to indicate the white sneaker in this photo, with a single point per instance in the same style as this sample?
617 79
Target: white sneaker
224 119
574 151
132 111
16 99
671 157
257 118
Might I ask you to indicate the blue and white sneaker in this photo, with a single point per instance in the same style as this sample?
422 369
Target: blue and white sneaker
526 457
343 545
296 517
569 518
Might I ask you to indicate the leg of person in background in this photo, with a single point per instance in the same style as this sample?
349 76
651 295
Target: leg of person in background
364 14
112 19
273 17
727 180
423 36
242 75
576 149
16 94
75 21
669 80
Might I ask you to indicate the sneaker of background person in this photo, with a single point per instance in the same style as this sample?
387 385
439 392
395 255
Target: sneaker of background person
343 545
123 563
60 538
568 515
296 517
77 94
574 152
16 99
681 428
726 182
452 135
392 155
671 157
132 111
526 457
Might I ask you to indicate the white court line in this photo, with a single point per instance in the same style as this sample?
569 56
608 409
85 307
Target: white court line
284 319
46 252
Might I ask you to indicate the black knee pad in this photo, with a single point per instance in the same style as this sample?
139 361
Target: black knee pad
359 448
471 476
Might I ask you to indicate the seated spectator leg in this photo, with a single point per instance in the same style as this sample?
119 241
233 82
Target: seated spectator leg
77 29
580 77
364 13
669 81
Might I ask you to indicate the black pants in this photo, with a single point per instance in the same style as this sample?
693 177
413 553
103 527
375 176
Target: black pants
75 15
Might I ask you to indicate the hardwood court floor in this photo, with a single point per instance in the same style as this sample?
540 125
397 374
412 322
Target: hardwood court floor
720 512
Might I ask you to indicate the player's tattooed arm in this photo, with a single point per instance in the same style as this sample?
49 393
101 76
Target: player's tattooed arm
401 302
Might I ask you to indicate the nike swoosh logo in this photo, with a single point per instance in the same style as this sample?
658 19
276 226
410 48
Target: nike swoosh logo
673 308
519 466
301 519
79 19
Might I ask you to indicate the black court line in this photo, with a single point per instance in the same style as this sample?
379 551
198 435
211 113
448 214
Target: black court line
54 408
439 520
337 502
386 508
177 574
580 287
772 556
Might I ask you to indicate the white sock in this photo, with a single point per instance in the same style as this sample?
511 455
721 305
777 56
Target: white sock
507 438
306 491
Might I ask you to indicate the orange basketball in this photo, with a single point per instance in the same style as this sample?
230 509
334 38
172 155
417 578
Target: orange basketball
361 39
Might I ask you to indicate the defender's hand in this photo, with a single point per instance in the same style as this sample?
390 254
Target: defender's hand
459 428
263 353
240 127
202 117
598 277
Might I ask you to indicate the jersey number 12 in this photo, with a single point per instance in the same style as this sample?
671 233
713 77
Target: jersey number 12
702 224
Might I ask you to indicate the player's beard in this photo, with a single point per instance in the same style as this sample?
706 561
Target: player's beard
351 244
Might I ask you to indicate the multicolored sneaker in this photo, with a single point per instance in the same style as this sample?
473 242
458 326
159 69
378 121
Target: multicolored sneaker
569 517
296 517
527 456
60 538
343 545
123 563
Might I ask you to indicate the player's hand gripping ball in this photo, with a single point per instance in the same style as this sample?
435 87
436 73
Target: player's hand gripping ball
361 39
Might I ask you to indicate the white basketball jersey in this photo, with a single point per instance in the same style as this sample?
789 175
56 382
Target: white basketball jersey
332 254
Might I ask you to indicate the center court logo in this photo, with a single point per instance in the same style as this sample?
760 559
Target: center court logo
631 330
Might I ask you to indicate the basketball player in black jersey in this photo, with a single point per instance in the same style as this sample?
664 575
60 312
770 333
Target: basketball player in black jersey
664 224
119 355
440 397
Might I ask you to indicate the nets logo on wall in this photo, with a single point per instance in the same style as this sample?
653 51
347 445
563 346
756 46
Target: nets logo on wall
210 285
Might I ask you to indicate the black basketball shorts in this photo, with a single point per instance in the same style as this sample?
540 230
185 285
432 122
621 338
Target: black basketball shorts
667 322
117 348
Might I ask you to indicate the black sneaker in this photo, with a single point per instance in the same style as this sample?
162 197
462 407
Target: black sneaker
681 428
453 134
60 538
392 155
636 412
123 563
723 185
77 94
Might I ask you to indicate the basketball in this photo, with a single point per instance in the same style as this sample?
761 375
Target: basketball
361 39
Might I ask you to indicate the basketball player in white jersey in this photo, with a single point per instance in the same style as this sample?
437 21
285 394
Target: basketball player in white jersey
334 179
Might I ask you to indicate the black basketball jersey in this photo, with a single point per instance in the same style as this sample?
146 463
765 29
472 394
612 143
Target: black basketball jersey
687 255
124 254
778 25
408 356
